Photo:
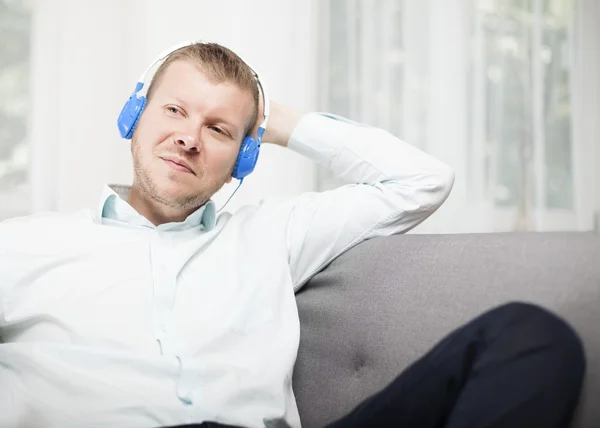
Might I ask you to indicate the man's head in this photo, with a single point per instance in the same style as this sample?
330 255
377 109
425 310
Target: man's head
202 101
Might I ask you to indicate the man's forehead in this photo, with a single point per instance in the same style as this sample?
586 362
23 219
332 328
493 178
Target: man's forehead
185 72
189 82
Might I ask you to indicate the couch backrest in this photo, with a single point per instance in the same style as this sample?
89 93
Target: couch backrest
382 304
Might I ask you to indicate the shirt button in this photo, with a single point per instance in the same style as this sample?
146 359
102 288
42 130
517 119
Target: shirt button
164 236
186 397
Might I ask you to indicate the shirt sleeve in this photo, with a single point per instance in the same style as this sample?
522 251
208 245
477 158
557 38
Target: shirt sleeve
392 187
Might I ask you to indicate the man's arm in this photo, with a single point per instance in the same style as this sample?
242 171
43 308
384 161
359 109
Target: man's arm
393 186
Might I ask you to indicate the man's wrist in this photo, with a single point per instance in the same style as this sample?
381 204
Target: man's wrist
282 122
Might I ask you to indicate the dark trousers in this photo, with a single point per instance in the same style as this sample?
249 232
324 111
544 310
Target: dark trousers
515 366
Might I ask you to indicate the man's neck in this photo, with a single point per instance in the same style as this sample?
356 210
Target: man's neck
156 212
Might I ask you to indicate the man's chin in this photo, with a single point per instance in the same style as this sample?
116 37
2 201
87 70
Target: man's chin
175 194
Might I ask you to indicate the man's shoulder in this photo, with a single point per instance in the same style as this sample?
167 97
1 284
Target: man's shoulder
265 210
49 220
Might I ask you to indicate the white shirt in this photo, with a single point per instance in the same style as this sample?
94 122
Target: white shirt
109 321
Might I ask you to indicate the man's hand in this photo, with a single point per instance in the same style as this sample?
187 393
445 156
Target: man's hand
282 121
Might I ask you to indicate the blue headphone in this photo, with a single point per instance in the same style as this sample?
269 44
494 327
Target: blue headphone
134 106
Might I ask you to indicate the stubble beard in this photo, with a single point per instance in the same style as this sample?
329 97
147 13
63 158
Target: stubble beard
189 202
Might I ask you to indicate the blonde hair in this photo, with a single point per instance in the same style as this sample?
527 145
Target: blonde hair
220 64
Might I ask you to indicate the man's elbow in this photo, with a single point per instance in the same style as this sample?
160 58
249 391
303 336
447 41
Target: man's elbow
421 194
436 188
446 178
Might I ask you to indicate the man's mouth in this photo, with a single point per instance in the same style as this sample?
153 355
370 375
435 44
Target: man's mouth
178 164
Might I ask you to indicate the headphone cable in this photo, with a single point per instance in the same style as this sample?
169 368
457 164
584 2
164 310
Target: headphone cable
234 192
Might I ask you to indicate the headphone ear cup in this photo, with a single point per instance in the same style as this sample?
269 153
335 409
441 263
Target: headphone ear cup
130 115
247 158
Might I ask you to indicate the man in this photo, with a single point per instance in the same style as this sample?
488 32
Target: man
155 311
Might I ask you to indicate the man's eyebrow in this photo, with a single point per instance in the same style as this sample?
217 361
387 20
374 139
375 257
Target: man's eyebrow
180 101
220 119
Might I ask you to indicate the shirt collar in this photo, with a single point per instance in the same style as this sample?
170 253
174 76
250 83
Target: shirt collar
114 206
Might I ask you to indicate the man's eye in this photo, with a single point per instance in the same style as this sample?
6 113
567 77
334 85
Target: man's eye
217 130
173 110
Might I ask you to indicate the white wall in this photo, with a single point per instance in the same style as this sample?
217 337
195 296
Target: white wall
89 54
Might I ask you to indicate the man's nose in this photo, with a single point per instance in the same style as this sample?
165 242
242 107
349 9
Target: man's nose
188 142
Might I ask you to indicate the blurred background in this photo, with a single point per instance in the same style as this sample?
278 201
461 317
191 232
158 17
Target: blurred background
507 92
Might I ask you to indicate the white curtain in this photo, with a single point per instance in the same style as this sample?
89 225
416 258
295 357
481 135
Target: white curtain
64 78
15 30
489 86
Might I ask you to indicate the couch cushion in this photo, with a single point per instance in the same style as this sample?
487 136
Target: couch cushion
384 303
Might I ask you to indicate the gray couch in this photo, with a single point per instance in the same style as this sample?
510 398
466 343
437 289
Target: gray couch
385 302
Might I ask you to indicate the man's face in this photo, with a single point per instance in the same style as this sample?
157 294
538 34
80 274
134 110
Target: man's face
188 137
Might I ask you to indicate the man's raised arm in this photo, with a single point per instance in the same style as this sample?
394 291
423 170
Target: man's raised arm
393 186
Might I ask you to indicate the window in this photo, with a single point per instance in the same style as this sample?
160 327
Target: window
15 33
525 66
484 85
